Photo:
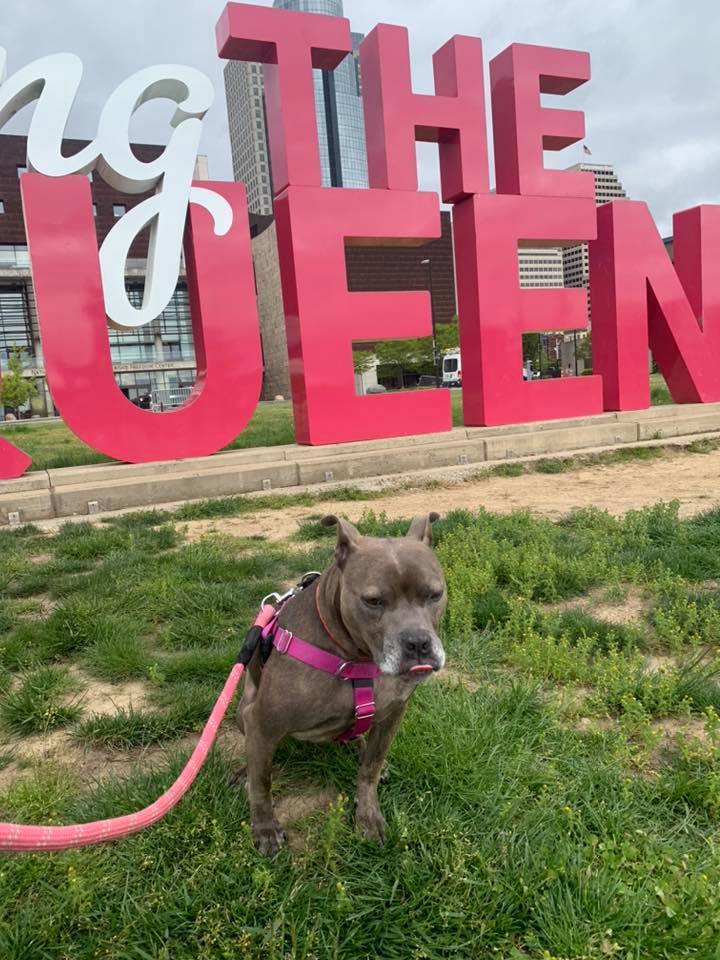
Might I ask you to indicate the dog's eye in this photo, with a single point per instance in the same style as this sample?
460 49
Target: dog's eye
437 596
373 602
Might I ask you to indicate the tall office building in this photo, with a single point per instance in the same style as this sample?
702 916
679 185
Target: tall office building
541 267
340 120
248 138
607 187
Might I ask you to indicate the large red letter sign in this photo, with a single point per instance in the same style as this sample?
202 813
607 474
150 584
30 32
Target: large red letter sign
13 462
495 312
395 117
290 44
641 302
323 319
73 327
523 128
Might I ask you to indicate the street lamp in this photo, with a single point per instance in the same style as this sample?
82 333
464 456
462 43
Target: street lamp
428 263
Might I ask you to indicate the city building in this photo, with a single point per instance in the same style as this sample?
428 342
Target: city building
340 120
157 359
607 187
576 259
541 267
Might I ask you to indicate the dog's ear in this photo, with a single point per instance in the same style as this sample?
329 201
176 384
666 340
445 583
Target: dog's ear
348 537
421 528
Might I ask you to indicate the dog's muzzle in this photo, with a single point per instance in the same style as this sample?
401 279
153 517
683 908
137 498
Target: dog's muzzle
416 653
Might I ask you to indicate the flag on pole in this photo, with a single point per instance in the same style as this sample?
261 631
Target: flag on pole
587 150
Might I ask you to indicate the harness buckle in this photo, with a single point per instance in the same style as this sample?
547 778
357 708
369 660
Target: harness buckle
365 711
339 671
282 643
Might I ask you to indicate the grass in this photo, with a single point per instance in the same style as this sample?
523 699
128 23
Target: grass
514 831
52 445
39 702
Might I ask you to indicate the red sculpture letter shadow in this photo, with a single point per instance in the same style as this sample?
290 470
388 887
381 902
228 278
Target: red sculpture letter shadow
73 327
641 302
495 312
323 319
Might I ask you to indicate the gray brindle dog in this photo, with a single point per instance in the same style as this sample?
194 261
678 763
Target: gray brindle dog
380 600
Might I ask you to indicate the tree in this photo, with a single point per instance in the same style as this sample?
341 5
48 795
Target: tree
363 360
15 390
447 336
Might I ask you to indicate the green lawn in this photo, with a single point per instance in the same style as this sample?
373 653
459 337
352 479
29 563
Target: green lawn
556 795
53 445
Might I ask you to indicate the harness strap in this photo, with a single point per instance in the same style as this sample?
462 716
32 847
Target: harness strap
364 695
362 675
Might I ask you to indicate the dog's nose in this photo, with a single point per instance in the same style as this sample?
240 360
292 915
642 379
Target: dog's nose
416 647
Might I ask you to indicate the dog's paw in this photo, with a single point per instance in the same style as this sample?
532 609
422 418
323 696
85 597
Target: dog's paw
269 837
385 776
371 824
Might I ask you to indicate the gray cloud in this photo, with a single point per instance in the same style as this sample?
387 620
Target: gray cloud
652 106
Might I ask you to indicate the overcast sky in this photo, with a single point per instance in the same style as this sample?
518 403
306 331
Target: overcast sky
652 106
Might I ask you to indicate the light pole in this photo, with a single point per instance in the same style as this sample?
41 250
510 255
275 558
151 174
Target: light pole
428 263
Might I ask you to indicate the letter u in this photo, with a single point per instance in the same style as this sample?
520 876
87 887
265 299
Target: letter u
73 327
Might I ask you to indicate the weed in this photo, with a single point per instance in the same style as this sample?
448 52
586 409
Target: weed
555 465
39 702
508 470
706 445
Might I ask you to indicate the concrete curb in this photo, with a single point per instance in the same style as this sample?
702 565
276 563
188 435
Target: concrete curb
107 488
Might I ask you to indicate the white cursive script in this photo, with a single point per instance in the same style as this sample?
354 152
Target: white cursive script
53 83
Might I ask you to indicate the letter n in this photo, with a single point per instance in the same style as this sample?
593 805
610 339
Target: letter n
641 303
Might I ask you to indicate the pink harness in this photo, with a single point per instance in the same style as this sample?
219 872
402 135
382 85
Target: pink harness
361 673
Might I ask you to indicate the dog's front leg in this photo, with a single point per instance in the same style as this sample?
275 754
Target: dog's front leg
368 818
268 834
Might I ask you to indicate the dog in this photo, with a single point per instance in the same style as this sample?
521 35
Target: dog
380 601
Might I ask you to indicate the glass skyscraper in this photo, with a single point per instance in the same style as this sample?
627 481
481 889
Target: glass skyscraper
341 125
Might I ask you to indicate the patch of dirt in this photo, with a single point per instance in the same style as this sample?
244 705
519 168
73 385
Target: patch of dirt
92 766
595 724
616 488
660 663
292 808
672 727
41 558
296 806
40 608
100 696
629 610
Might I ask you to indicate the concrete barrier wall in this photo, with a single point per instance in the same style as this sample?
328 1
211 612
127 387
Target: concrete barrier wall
74 491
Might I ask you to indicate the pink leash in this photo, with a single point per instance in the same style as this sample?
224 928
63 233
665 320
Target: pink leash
23 838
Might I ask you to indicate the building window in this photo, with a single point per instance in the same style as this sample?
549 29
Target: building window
94 209
119 210
15 328
21 170
14 255
2 206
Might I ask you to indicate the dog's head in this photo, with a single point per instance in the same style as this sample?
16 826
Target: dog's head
393 595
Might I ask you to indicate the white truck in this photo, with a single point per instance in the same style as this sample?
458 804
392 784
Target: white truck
452 369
